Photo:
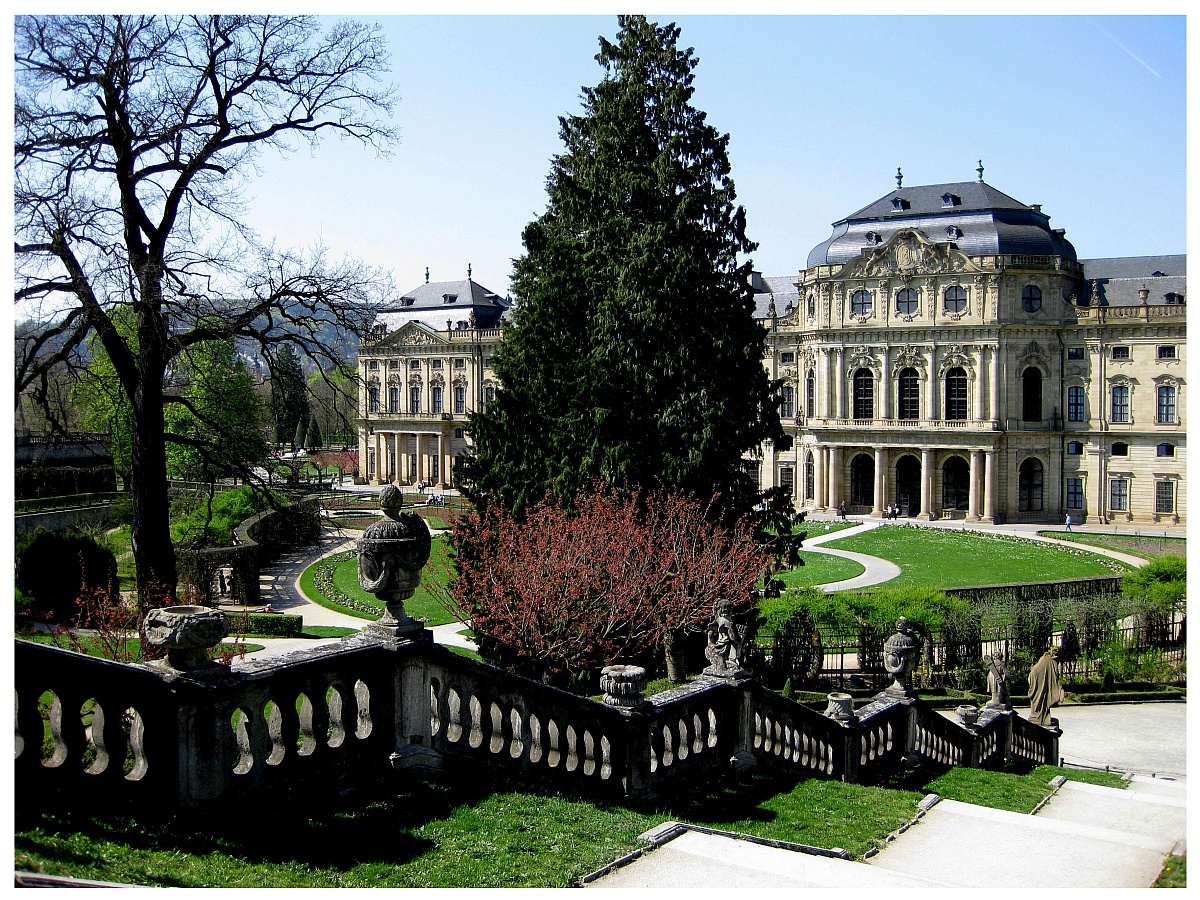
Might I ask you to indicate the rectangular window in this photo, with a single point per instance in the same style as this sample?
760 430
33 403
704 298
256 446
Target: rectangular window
1118 495
458 434
435 399
412 465
435 364
787 359
460 364
414 400
393 399
1120 403
373 398
1164 496
433 468
787 480
1074 493
1074 353
1166 405
373 365
370 463
1076 404
1166 351
460 400
394 364
787 409
1120 353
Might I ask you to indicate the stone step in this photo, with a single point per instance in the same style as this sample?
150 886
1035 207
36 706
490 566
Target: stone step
1162 785
973 846
1136 812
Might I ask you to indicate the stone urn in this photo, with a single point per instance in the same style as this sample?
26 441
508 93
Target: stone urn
968 715
391 554
187 633
900 658
840 708
623 686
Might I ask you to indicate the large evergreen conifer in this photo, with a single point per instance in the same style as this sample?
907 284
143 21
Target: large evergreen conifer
633 358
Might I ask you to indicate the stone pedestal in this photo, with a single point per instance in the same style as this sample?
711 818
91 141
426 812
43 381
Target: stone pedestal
187 633
623 686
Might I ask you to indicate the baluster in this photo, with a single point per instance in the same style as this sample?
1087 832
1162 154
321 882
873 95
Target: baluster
454 729
476 737
553 756
496 743
712 728
589 753
516 746
535 739
98 740
337 731
605 759
275 732
572 755
435 719
137 747
684 744
362 699
697 738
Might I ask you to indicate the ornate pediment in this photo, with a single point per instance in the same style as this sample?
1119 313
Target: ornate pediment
907 254
414 333
908 357
862 358
956 356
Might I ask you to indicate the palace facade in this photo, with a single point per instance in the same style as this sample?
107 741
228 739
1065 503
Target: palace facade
945 351
424 366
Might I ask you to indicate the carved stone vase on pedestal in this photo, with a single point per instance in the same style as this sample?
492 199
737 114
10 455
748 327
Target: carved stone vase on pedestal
391 554
187 633
899 659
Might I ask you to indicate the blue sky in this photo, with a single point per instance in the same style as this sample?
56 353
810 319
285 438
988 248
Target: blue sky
1085 115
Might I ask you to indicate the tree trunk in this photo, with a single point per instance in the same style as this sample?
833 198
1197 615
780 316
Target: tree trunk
153 552
673 648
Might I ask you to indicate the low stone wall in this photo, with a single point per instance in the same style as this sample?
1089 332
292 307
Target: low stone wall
61 519
258 541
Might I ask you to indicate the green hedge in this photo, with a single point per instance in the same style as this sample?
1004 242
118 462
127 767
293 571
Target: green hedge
265 624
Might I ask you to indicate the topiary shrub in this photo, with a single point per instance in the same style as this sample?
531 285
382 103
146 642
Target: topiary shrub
55 568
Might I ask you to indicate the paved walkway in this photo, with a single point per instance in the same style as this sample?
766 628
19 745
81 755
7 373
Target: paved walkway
875 570
1084 836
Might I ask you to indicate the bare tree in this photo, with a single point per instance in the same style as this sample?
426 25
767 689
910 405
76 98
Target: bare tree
134 137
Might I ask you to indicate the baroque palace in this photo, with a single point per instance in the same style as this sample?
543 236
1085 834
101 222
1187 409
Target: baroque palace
944 351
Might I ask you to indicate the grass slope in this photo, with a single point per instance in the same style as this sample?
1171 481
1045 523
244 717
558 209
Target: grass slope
1138 545
820 568
940 558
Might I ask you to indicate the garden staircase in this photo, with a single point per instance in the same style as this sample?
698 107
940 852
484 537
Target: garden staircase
1083 836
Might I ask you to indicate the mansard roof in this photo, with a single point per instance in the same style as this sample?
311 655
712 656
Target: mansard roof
973 216
1117 281
435 303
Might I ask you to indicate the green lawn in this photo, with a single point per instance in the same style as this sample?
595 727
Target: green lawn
471 832
423 603
820 568
133 646
1138 545
940 558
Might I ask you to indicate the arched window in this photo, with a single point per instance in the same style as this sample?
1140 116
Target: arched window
394 398
810 477
860 303
909 406
1166 405
906 302
489 394
862 480
1031 298
864 394
1076 404
955 299
787 409
435 398
1029 486
956 483
956 393
373 397
1031 395
812 306
1120 403
810 393
414 399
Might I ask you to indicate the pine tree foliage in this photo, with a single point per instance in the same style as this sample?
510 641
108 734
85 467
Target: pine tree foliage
634 358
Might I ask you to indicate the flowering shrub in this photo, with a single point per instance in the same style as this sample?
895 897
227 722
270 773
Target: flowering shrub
323 582
564 593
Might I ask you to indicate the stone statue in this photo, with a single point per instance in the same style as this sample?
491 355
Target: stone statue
997 682
724 645
900 658
391 554
1045 688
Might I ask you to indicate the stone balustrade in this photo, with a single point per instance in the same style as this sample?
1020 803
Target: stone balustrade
369 709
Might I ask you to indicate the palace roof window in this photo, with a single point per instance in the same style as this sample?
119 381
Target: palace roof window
1031 298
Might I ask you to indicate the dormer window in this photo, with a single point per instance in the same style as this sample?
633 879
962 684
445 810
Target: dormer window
899 204
953 233
407 301
1174 298
449 298
951 200
873 237
1158 274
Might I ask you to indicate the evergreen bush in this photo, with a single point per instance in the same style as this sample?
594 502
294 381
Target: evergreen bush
55 568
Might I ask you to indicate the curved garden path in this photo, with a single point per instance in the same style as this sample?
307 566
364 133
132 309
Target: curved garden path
875 569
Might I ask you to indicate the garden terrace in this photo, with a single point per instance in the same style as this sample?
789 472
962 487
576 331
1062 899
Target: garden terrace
357 714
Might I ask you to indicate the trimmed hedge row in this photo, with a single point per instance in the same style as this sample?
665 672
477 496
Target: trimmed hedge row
265 624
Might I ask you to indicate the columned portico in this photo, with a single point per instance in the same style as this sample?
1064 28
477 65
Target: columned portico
926 482
834 471
880 481
989 486
973 501
818 477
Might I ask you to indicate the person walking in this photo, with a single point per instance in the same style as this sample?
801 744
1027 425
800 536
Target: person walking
842 510
1068 528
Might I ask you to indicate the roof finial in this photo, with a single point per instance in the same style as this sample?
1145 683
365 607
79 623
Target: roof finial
899 178
468 271
980 170
427 274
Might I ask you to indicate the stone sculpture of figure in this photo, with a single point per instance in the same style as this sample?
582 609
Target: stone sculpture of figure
1045 688
997 683
391 554
900 658
724 645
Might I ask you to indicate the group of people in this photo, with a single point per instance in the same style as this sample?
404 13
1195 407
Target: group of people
893 511
435 500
